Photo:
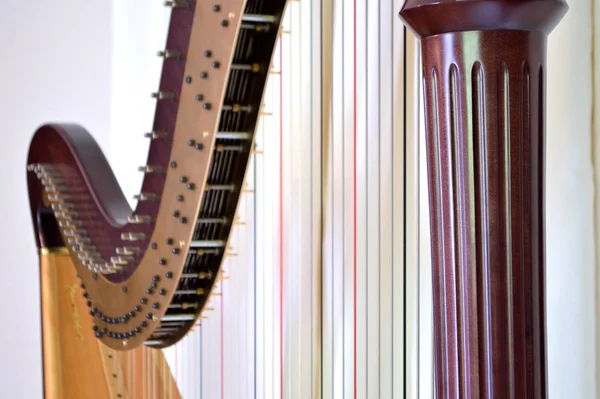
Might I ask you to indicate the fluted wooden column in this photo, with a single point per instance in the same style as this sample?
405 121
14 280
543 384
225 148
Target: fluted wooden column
484 77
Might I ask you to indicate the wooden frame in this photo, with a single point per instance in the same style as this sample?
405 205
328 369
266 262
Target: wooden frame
484 86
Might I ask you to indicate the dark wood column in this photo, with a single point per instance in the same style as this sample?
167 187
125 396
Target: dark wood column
484 76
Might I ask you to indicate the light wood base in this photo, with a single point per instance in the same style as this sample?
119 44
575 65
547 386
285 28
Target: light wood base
76 364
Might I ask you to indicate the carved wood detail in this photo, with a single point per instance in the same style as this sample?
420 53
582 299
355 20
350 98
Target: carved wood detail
484 84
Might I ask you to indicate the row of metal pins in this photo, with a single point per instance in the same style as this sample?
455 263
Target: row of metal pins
67 218
249 21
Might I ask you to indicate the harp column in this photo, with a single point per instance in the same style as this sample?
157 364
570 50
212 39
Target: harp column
484 77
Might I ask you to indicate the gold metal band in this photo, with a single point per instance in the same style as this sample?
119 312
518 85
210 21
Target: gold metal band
53 250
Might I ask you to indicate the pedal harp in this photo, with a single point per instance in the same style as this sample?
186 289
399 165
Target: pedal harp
484 82
147 273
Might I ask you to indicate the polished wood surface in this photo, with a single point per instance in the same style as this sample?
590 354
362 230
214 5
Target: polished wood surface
484 77
155 267
76 364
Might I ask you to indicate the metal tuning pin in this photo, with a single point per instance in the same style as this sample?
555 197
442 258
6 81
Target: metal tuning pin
177 4
219 187
65 206
66 215
179 317
146 197
212 221
84 248
168 54
139 219
79 240
75 233
237 108
150 169
233 135
128 250
88 255
164 95
121 260
230 148
156 135
246 67
207 244
267 19
59 197
239 222
133 236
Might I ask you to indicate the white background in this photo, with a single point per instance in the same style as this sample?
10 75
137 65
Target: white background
93 63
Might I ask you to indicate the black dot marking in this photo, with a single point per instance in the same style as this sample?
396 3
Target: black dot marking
162 291
176 251
156 305
206 106
143 301
173 164
208 53
162 261
191 186
188 79
169 241
224 23
191 142
169 274
199 97
124 289
154 245
156 278
183 220
216 64
180 198
216 8
183 179
176 214
199 146
203 74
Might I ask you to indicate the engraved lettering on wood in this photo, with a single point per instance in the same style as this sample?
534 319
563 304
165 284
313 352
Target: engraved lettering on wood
72 290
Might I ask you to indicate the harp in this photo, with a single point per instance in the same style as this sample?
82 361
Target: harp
147 275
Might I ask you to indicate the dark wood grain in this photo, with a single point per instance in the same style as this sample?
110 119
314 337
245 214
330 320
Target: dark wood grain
484 78
89 177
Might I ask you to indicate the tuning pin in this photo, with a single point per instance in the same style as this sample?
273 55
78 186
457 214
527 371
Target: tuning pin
156 135
164 95
146 197
177 4
166 54
121 260
133 236
238 222
127 250
139 219
150 169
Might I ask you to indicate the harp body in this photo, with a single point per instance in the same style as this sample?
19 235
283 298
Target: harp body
148 273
